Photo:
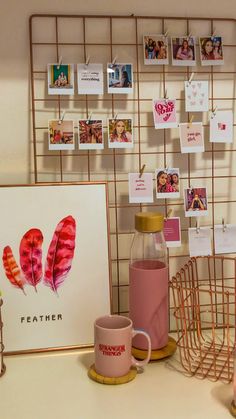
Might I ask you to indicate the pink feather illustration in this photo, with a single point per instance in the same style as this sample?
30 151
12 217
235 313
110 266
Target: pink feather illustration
12 270
60 253
31 256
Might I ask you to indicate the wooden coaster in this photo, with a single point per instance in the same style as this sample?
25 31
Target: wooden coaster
157 354
233 409
111 380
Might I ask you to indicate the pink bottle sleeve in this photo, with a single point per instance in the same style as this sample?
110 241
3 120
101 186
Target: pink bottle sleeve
148 300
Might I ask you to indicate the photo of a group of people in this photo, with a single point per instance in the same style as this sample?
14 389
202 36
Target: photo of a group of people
183 50
90 134
167 183
61 135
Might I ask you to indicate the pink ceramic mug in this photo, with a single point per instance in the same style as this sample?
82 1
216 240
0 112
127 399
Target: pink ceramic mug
113 343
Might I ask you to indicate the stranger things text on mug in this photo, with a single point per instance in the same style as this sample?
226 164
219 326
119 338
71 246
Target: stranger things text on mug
113 345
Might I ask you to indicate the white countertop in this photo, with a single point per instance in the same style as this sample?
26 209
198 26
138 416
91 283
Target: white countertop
56 386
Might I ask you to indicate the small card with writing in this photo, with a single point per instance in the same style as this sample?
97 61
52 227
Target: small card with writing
140 188
90 79
199 241
191 137
221 127
164 113
172 232
196 96
225 238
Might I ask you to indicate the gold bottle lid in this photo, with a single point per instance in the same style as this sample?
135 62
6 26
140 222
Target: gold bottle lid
149 222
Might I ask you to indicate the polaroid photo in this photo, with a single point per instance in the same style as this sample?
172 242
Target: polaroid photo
167 183
225 238
90 134
172 232
61 79
191 137
164 113
196 96
195 202
199 241
221 127
90 79
61 135
120 133
183 51
211 50
140 188
120 78
155 48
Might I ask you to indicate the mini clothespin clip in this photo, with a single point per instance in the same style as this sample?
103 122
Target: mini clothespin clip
189 36
191 121
114 60
190 78
166 33
213 34
87 60
197 226
62 117
168 214
115 117
223 225
89 118
167 168
214 112
59 63
141 171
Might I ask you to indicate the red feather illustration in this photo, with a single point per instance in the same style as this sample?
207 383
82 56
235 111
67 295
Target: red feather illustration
31 256
60 253
12 270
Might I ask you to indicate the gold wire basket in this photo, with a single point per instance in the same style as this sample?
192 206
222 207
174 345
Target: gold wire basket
204 296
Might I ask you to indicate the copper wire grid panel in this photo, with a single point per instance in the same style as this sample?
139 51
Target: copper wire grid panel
204 296
102 38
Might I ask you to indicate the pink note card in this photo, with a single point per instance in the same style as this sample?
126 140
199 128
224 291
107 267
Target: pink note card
164 113
140 188
172 232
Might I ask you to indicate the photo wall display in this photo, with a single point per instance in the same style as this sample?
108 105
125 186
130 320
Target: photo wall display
61 134
183 50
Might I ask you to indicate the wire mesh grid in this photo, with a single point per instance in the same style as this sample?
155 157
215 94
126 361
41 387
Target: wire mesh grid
75 37
205 311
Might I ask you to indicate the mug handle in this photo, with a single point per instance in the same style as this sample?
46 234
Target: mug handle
135 362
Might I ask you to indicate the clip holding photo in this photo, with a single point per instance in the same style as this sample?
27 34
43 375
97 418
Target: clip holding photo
89 118
168 214
190 78
197 226
223 225
141 171
61 118
59 62
191 121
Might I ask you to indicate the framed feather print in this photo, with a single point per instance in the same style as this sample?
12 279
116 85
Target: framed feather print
54 270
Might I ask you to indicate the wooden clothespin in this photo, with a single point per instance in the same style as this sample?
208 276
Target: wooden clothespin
141 171
198 226
89 118
87 60
189 36
213 34
191 121
223 225
168 214
191 77
62 117
59 63
166 33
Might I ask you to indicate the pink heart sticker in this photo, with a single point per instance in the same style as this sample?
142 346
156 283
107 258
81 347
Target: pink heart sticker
189 97
192 103
202 94
194 94
199 85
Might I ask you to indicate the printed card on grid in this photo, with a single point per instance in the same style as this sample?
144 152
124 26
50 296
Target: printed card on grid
172 232
225 238
164 113
199 241
196 96
140 188
90 79
221 127
191 137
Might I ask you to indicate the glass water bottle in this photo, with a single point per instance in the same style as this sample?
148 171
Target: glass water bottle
148 274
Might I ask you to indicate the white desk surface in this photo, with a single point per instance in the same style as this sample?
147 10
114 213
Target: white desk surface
56 386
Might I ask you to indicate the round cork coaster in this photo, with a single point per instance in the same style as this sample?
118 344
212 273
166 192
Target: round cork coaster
233 409
157 354
112 380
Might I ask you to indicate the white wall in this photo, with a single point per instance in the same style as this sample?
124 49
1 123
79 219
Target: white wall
15 161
